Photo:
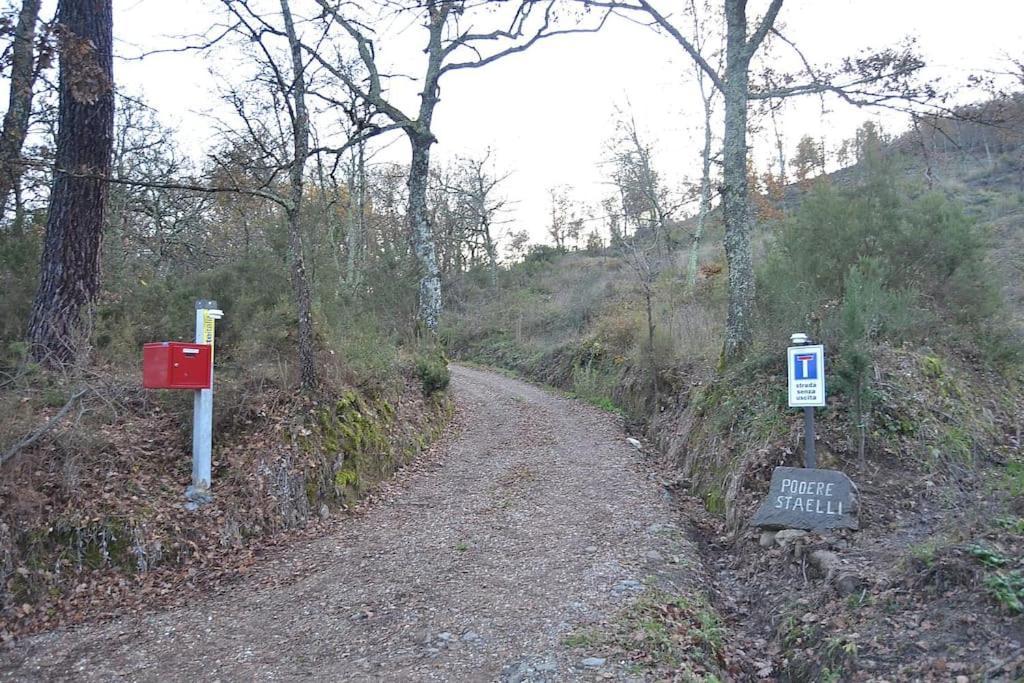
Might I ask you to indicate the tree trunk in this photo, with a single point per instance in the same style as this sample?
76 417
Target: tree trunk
19 109
492 254
429 310
736 209
705 189
300 143
356 215
70 266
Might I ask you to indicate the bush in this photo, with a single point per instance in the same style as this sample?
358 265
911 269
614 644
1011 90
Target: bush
19 268
369 356
594 384
432 369
924 254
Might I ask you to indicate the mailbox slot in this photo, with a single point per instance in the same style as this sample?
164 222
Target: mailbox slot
176 365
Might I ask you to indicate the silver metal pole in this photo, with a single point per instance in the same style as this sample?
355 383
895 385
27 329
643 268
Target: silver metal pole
202 421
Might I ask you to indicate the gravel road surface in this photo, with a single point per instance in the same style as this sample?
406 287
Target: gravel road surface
538 518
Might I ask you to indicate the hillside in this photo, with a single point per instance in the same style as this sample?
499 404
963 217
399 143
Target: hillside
915 291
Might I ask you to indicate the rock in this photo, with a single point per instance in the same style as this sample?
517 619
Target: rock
627 585
546 666
654 556
590 549
530 670
787 536
767 539
593 662
634 443
471 637
801 498
325 511
828 564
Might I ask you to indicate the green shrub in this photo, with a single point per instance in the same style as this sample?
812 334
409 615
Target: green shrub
595 385
916 252
19 268
369 356
1008 589
432 369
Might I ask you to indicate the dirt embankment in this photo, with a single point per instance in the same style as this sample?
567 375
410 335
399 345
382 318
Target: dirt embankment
93 521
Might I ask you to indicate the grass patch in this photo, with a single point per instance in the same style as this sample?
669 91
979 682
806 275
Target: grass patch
662 633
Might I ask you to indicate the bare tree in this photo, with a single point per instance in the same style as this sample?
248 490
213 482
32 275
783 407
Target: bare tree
640 257
69 276
874 79
19 109
646 200
566 222
475 186
708 95
283 72
355 238
299 116
453 41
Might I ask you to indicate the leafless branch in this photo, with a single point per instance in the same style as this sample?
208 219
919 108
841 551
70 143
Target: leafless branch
50 424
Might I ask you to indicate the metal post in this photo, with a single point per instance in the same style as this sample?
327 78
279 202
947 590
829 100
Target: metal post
202 412
810 458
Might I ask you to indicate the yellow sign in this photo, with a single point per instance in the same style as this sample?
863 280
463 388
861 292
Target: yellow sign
208 321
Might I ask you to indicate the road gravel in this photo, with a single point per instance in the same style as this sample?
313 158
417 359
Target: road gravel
538 518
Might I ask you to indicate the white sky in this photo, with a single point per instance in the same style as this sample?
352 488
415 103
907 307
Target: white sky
548 112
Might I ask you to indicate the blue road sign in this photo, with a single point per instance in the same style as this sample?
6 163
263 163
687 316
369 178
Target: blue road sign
806 376
805 366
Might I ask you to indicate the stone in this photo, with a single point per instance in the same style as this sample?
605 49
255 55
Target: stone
787 536
593 662
627 585
471 637
546 665
325 511
654 556
634 443
810 499
590 549
530 670
767 539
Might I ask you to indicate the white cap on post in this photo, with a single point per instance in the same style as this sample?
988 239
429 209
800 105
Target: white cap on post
799 339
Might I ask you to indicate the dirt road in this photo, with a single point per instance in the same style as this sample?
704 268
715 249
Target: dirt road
538 518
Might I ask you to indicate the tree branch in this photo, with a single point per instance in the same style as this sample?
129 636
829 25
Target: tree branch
767 22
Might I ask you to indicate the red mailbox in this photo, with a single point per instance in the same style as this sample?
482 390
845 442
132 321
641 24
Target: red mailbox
176 365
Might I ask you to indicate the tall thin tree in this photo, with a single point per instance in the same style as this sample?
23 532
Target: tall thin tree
19 108
454 41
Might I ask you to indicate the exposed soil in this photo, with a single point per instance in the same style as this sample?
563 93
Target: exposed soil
536 519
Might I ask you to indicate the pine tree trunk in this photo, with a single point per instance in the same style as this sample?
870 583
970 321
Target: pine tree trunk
19 109
429 310
69 276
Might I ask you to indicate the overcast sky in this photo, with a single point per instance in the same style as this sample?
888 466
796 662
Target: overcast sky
548 112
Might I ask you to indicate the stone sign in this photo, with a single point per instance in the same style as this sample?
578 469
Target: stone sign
802 498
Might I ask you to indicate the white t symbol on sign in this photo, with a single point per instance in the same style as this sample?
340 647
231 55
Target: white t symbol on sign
805 360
